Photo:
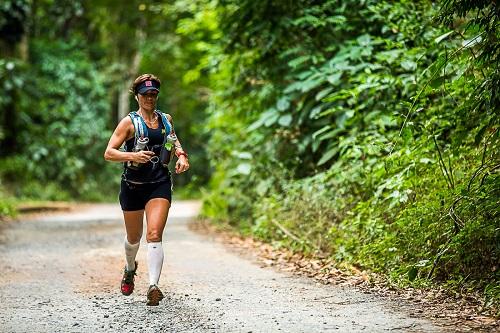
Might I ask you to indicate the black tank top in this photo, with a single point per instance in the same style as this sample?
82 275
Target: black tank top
148 172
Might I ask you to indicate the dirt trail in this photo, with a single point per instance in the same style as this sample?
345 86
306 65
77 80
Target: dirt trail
61 273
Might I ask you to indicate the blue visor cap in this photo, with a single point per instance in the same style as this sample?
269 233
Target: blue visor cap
147 86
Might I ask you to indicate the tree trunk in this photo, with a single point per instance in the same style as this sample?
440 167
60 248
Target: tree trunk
123 94
23 47
123 101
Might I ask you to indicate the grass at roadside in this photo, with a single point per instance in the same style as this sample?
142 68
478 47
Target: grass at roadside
16 199
7 207
11 208
35 197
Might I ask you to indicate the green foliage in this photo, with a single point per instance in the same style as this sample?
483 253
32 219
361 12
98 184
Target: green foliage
364 130
7 205
60 102
62 70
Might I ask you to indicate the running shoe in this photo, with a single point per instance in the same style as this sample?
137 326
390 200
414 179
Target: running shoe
127 285
154 295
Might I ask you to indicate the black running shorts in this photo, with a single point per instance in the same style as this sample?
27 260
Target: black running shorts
135 196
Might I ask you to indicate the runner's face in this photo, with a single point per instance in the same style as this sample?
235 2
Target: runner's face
147 101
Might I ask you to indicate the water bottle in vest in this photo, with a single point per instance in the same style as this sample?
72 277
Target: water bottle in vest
140 145
168 145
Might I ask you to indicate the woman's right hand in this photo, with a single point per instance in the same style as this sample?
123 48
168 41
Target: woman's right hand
142 156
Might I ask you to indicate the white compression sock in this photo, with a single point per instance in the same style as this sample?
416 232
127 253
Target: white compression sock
130 254
155 261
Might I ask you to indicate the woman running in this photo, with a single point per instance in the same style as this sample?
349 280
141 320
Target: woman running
146 184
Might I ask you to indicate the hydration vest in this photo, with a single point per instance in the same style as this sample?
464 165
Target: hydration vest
141 131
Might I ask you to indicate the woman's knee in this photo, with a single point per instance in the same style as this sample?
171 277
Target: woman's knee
154 236
134 239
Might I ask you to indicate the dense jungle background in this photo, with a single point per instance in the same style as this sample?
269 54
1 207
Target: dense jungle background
365 131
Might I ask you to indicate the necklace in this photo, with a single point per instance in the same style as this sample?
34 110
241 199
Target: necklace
149 122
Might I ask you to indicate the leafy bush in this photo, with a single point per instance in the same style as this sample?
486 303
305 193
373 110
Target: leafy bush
61 102
365 130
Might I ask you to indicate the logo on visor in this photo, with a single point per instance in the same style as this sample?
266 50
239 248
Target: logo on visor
149 84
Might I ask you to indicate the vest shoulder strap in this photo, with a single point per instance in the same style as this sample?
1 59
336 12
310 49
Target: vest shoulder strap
166 124
140 128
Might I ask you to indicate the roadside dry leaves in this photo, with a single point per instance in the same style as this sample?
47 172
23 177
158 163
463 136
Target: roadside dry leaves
464 313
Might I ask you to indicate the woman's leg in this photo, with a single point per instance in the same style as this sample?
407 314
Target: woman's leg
156 216
133 227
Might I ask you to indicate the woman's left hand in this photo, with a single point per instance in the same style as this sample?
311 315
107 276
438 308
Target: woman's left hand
182 164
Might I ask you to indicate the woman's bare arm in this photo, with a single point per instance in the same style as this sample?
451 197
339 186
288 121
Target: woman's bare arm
123 132
182 161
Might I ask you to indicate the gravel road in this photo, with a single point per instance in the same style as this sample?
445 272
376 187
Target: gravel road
61 273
